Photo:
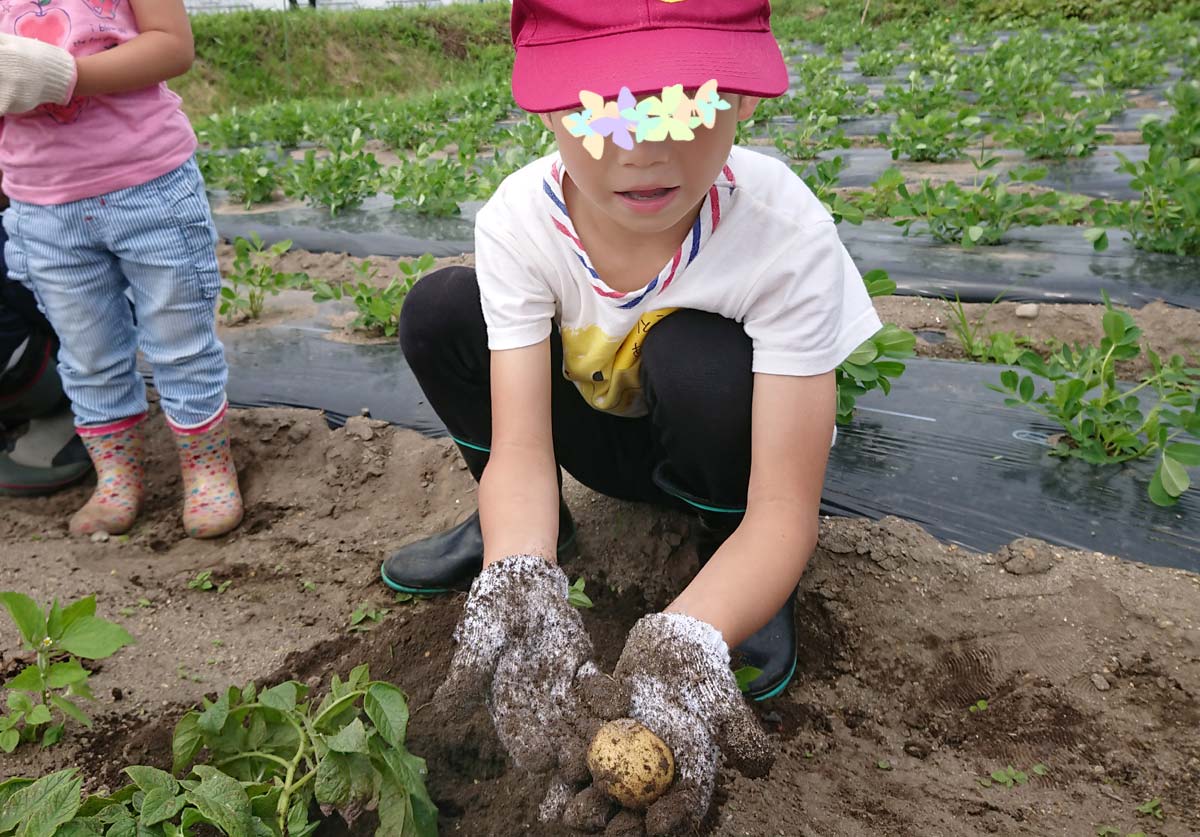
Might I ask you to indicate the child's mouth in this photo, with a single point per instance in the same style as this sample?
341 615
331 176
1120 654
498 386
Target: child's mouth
648 200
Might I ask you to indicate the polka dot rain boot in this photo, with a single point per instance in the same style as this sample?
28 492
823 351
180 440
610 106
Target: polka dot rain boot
116 451
212 502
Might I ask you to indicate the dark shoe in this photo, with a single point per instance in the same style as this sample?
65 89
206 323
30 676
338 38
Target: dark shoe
450 560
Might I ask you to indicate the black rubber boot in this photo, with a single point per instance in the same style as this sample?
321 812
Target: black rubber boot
39 451
772 649
450 560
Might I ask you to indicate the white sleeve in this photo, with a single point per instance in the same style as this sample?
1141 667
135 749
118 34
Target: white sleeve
810 309
518 305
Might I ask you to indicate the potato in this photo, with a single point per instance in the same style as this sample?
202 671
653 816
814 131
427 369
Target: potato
631 763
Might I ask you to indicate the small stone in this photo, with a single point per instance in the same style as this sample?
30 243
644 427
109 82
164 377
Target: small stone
1100 683
99 537
298 433
673 539
360 428
1028 311
117 694
917 749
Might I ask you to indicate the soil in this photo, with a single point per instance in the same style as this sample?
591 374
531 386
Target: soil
1090 665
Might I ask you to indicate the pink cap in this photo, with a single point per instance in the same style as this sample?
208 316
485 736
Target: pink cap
565 46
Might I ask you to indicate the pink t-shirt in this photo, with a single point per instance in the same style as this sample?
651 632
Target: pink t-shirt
93 145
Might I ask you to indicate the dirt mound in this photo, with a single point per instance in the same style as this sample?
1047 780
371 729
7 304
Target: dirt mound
1089 666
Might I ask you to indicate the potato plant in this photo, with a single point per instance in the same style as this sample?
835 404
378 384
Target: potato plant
276 763
52 685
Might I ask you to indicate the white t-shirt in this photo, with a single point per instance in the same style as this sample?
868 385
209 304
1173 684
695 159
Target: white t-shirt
763 252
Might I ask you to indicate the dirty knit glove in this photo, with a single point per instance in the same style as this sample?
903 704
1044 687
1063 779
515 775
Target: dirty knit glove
33 73
524 648
674 678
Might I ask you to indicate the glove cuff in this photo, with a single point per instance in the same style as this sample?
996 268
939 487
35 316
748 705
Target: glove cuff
687 630
526 571
61 76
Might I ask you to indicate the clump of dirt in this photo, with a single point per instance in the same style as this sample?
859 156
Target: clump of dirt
1089 666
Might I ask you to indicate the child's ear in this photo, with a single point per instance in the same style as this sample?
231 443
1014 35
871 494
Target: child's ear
746 107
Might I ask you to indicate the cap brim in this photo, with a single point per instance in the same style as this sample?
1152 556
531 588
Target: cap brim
549 77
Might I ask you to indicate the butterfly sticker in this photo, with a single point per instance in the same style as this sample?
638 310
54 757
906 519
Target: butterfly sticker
600 119
669 117
707 103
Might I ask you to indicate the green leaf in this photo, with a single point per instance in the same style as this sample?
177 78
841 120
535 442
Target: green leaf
281 697
746 675
1185 454
388 710
1114 326
333 780
151 778
37 810
29 680
93 638
26 615
409 772
212 719
159 805
352 738
186 742
38 715
974 233
52 735
73 613
1175 479
1026 389
66 673
864 354
68 708
9 739
221 799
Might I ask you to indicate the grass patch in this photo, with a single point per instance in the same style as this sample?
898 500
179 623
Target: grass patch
248 58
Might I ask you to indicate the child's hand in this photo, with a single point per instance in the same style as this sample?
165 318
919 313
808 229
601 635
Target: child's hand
674 678
33 73
521 644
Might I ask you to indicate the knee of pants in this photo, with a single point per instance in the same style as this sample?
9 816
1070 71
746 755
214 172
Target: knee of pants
696 371
442 307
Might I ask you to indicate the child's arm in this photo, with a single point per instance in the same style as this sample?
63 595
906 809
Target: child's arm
518 494
162 51
757 568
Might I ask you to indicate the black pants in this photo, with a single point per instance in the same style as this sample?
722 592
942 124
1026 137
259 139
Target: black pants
19 315
695 373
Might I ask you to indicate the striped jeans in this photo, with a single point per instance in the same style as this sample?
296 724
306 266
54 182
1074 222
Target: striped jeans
156 244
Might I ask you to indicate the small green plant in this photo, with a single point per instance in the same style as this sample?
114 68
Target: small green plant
378 307
254 277
878 62
994 347
883 764
876 363
252 175
343 179
1152 808
746 675
1058 133
936 136
576 597
972 216
60 637
431 186
1106 422
822 177
1166 218
275 763
366 616
204 581
810 136
978 706
1008 777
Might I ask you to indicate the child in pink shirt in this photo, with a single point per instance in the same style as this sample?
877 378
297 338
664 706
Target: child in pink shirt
107 202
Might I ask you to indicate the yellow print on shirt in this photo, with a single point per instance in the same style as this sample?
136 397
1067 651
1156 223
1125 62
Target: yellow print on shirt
607 369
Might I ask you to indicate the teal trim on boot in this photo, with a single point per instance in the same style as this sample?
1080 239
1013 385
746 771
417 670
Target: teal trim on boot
778 690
